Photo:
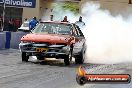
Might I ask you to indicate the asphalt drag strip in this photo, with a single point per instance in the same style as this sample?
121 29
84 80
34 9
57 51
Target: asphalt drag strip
52 73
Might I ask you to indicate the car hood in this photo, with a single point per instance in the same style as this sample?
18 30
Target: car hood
52 38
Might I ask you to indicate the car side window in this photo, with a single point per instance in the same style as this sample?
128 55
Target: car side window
80 32
75 33
77 28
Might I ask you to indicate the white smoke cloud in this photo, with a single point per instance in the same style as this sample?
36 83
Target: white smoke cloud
109 38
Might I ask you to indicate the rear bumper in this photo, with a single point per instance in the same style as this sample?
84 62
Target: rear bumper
52 50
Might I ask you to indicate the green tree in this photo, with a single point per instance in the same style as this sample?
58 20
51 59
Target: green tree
73 7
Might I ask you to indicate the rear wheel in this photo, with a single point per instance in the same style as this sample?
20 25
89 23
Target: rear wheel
25 57
68 58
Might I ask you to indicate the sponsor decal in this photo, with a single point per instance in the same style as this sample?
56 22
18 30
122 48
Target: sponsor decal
83 78
19 3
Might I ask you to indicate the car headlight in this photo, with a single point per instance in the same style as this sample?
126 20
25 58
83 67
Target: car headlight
66 48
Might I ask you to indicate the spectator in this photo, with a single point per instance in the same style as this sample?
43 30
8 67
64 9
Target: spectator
80 23
6 25
33 23
11 25
65 19
51 17
17 23
25 20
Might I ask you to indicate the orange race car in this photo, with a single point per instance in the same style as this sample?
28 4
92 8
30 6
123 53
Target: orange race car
54 39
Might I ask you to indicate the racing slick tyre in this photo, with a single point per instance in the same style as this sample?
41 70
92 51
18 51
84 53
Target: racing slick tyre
25 57
68 58
79 59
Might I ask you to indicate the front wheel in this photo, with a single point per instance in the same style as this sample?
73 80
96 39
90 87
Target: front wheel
68 58
79 59
25 57
40 57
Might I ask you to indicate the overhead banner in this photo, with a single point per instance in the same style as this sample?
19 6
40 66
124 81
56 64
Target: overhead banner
19 3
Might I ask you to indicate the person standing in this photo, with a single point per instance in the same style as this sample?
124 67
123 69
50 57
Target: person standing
80 23
10 25
33 23
25 20
65 19
51 17
17 23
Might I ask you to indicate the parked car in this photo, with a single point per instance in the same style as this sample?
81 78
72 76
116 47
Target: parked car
54 39
24 27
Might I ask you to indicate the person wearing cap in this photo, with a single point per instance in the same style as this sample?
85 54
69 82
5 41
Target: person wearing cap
80 23
33 23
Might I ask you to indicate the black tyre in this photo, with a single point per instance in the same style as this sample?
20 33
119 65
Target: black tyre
40 57
79 59
25 57
80 80
68 58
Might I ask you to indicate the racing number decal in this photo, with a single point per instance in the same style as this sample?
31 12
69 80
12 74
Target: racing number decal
41 49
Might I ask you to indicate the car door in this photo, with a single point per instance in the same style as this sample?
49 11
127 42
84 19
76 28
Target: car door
79 40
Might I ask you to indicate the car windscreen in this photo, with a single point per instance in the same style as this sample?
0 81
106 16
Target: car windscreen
53 28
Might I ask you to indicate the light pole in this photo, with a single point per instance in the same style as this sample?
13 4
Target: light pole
4 6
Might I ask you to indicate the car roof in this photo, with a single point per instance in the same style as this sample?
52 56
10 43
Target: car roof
26 22
56 22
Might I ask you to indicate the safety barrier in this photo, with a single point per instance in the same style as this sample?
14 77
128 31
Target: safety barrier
10 39
2 40
15 39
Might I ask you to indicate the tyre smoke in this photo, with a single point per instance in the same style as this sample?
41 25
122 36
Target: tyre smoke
108 38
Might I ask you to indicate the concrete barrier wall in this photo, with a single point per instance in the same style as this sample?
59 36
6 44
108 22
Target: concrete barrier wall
10 39
15 39
2 40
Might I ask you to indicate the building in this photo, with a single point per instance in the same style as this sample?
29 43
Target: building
11 13
21 9
41 7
